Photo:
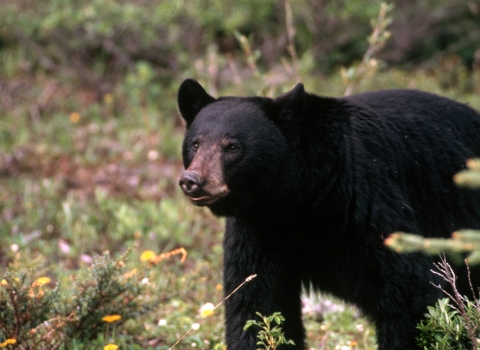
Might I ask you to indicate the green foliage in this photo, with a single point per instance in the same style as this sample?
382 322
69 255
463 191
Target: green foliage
112 300
37 316
24 305
377 40
335 325
270 335
100 25
91 42
454 323
469 177
106 38
219 346
444 327
106 288
461 241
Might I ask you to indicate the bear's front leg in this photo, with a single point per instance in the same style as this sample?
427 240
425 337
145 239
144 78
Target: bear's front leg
276 288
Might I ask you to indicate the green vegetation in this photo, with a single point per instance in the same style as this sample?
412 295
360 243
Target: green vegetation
270 335
90 150
444 328
453 322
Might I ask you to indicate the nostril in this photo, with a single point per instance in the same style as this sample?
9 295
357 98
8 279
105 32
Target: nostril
190 181
189 184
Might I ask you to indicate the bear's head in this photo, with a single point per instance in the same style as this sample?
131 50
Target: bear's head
236 149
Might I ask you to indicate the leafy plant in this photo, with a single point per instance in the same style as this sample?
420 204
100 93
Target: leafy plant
270 336
25 306
377 40
36 315
444 328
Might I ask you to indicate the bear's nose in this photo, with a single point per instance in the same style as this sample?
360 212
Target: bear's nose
190 182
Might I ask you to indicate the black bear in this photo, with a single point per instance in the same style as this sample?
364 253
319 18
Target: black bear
311 186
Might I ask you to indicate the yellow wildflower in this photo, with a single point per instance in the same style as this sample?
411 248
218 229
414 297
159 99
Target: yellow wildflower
207 310
110 347
42 281
4 282
148 256
75 117
7 342
108 98
39 283
111 318
219 287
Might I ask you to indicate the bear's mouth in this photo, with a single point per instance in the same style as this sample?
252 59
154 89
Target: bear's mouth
205 200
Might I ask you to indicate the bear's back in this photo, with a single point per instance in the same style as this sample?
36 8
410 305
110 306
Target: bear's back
423 113
412 143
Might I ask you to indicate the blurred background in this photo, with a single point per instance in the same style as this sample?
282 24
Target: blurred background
90 138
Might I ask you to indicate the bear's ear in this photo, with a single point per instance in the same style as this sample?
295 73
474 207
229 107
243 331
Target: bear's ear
192 97
290 108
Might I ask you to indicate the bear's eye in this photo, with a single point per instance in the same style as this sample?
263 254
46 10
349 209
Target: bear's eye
195 146
231 148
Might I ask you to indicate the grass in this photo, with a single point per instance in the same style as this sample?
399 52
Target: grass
83 174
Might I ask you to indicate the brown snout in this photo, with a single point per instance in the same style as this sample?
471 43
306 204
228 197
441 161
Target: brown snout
191 183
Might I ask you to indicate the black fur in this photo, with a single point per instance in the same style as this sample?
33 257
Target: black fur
315 185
